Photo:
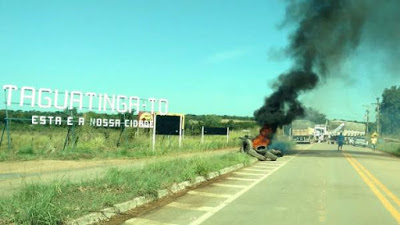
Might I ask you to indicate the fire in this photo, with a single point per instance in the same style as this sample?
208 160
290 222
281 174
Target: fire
264 138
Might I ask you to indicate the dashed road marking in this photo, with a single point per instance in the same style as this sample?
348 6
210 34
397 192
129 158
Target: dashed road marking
265 169
250 174
255 170
208 194
235 196
141 221
229 185
241 179
265 166
189 206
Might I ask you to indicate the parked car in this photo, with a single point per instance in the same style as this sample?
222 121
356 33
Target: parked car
360 141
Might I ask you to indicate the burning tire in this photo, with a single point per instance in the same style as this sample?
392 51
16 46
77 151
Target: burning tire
277 152
257 155
247 147
271 156
267 154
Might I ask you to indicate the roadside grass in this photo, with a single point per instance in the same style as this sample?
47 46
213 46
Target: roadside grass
59 201
389 147
104 144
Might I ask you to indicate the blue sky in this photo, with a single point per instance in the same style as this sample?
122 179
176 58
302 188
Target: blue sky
205 57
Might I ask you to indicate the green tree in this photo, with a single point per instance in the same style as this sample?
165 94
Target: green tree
390 110
212 121
231 124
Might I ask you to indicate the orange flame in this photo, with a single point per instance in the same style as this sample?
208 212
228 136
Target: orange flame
263 139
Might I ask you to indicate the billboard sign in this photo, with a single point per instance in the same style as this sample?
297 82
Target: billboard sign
47 98
168 125
215 131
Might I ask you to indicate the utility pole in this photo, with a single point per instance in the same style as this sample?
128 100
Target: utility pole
378 116
367 117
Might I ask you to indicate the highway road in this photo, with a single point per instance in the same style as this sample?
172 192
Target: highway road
317 185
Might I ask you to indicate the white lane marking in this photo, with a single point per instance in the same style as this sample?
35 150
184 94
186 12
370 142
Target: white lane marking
265 166
142 221
208 194
235 196
189 206
242 179
255 170
251 174
229 185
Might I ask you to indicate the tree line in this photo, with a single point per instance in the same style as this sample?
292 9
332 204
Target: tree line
390 111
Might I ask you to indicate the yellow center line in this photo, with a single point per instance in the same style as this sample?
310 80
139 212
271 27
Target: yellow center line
378 183
374 189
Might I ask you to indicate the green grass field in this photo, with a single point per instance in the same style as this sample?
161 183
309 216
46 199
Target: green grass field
390 147
102 143
60 201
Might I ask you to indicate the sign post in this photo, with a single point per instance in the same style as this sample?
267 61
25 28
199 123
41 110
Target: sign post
202 134
180 131
154 131
227 135
7 125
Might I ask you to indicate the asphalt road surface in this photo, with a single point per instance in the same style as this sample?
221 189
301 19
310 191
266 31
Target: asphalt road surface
317 185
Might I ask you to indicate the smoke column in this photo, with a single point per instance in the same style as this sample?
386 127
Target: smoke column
327 32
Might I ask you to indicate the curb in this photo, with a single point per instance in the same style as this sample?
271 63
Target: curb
107 213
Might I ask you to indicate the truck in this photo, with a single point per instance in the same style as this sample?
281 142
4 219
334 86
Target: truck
320 132
348 129
303 131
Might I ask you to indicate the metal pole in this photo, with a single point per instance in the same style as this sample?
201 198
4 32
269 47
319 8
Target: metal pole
367 121
126 133
73 135
367 118
154 132
73 130
227 135
202 134
66 139
180 131
7 123
2 133
378 123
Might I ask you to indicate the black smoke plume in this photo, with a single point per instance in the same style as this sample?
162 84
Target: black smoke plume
327 32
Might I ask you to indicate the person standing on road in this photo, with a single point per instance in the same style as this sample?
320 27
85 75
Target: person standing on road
340 141
374 140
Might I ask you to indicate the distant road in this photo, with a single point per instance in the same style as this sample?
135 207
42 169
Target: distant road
316 186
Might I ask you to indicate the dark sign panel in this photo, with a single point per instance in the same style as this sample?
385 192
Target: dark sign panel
215 131
168 125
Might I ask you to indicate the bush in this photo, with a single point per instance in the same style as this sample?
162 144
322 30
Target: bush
389 147
26 151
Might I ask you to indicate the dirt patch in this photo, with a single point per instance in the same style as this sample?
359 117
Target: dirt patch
53 165
14 175
41 166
